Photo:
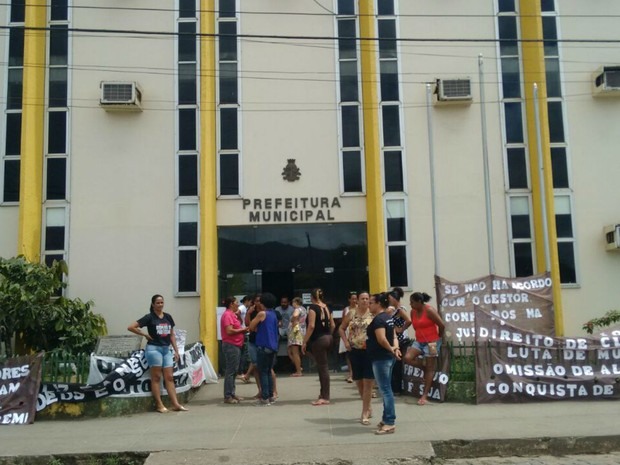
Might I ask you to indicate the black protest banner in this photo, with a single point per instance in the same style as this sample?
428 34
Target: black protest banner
413 379
516 365
525 302
128 377
19 383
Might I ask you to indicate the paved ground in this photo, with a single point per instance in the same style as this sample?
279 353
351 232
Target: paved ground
293 431
603 459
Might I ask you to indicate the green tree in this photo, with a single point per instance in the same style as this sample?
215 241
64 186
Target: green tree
611 317
31 306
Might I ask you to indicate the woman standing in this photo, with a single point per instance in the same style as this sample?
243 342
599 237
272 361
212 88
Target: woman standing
382 347
159 351
402 321
319 333
429 330
353 332
296 332
342 349
233 337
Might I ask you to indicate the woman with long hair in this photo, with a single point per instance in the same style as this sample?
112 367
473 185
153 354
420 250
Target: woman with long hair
402 321
233 338
429 329
353 333
319 329
296 331
161 351
382 347
342 349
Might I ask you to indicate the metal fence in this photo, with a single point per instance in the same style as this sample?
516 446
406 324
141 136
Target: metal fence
63 368
462 361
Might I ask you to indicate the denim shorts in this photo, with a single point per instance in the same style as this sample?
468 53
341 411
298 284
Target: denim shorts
423 347
159 356
252 352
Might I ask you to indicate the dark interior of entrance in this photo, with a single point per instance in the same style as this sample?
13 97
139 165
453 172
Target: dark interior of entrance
291 260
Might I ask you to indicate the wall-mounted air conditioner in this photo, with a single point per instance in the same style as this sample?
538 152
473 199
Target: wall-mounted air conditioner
612 237
606 81
121 96
453 91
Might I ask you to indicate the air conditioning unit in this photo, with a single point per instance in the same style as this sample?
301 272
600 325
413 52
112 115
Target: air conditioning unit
612 237
453 91
606 81
120 96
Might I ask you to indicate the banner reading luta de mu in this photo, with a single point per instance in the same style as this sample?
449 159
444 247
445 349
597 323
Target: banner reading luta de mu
515 365
525 302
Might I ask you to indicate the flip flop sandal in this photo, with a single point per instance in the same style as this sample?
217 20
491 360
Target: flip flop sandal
384 430
365 421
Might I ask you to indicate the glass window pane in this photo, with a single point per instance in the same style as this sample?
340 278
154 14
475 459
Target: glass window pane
188 175
187 41
59 42
228 41
346 7
352 171
398 266
347 44
511 79
507 26
506 5
187 129
187 83
393 169
188 224
228 128
227 8
563 217
385 7
395 214
350 126
552 68
58 87
14 90
550 35
13 133
547 5
387 38
348 81
57 133
389 81
520 226
51 258
187 8
16 46
517 168
18 11
56 178
228 83
54 238
10 190
58 10
229 174
187 270
566 255
514 122
556 122
391 125
524 266
559 167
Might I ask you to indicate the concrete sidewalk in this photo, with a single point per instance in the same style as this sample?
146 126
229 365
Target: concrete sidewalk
293 431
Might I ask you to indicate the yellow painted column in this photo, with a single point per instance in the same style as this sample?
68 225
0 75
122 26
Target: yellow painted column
33 119
375 217
208 173
534 72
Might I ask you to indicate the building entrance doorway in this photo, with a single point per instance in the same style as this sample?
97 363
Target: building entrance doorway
293 259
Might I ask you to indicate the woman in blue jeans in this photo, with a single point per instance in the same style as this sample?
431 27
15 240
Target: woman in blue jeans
382 349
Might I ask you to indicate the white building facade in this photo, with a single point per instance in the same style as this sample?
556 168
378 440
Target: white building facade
205 148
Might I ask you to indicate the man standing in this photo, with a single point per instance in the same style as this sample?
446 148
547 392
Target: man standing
285 311
266 326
